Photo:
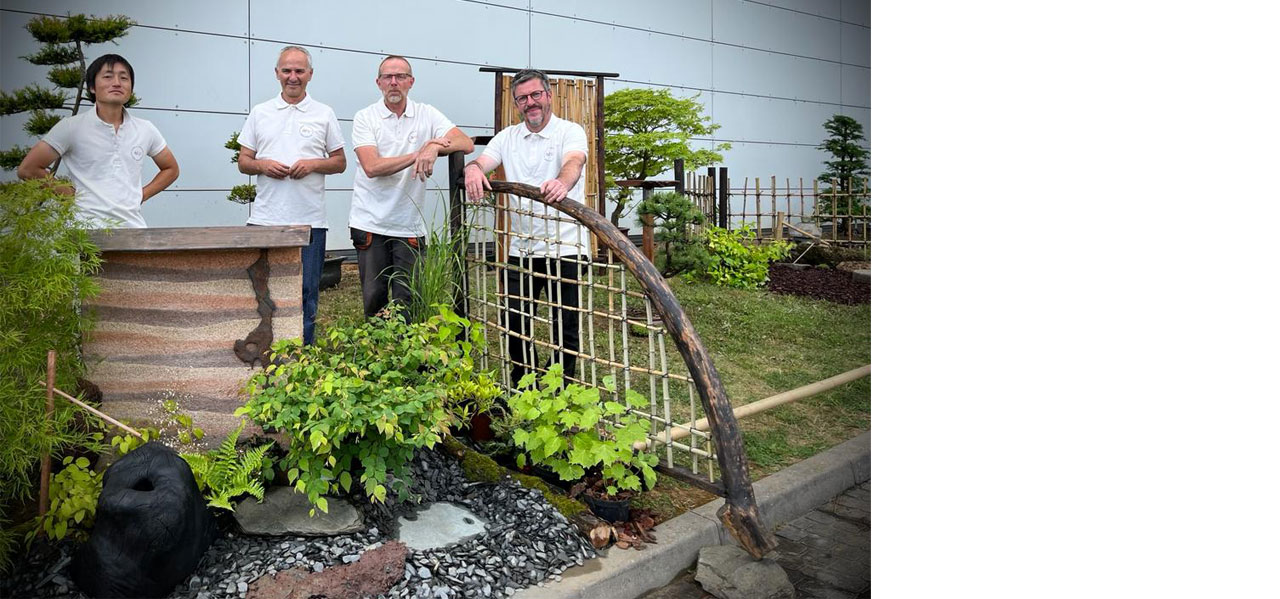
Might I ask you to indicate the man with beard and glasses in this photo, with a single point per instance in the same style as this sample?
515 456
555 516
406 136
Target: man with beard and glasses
103 151
396 142
291 142
544 253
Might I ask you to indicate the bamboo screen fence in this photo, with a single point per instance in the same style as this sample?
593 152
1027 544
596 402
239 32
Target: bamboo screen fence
839 215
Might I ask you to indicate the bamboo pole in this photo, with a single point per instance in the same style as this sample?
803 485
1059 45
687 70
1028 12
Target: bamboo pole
46 468
774 401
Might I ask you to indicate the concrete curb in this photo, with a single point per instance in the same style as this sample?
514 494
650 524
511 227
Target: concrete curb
782 496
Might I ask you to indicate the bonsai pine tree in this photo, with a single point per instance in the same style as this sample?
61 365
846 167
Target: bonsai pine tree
848 170
64 40
647 131
683 246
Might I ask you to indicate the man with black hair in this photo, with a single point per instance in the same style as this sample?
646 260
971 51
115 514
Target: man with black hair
103 150
547 250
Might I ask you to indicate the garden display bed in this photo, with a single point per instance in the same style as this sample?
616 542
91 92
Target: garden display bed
526 542
831 284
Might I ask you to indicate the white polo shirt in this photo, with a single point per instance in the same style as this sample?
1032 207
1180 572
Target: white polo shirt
287 133
395 205
534 158
105 165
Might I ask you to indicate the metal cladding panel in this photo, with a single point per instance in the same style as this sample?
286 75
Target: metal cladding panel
856 11
223 17
196 140
778 75
771 28
763 119
855 86
855 45
193 209
567 44
438 30
679 17
824 8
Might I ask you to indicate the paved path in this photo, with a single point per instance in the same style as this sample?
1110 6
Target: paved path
826 552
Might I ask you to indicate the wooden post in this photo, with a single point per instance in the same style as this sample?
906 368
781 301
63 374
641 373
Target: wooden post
679 172
724 197
46 468
457 216
777 225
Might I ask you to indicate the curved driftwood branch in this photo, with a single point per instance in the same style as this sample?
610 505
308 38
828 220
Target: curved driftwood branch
739 513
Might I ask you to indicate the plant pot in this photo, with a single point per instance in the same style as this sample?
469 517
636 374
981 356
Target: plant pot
331 275
607 509
480 430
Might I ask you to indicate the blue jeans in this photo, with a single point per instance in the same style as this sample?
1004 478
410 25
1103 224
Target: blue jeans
312 266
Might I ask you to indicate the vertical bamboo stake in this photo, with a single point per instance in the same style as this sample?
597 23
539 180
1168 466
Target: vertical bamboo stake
788 198
773 199
758 214
50 376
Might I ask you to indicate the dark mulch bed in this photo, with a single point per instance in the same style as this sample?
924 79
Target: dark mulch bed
823 283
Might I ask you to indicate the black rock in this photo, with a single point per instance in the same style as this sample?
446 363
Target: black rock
151 528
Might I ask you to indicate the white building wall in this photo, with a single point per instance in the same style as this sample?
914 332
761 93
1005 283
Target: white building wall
769 72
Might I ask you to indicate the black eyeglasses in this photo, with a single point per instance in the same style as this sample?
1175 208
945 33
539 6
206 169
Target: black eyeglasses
396 76
535 96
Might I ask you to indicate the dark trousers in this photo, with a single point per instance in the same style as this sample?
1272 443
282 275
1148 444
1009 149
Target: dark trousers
378 257
521 289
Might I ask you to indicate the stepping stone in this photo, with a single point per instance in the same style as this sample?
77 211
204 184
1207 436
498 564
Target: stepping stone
286 513
440 525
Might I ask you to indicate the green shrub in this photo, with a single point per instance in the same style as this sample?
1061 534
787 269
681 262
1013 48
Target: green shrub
73 501
45 274
737 261
675 219
573 429
359 401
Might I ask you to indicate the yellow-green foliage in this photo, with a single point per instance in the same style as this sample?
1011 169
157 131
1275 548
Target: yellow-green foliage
73 501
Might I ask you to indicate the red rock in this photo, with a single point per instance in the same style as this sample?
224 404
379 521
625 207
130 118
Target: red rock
373 574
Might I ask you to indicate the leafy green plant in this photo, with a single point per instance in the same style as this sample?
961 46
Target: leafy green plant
45 275
648 129
226 473
573 429
73 501
64 39
360 400
676 220
737 261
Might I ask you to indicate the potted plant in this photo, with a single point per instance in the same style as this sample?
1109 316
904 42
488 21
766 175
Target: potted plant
573 430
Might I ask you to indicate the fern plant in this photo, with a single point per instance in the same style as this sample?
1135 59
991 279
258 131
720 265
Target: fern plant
224 473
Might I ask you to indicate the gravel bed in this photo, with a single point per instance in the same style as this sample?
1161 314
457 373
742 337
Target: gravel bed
526 542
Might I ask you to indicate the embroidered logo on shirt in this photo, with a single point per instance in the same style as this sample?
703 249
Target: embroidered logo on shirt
550 155
136 152
305 131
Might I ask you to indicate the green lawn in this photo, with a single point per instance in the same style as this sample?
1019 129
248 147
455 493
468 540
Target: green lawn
762 344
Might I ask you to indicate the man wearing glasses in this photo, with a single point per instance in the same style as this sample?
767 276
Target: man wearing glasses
547 250
397 142
291 142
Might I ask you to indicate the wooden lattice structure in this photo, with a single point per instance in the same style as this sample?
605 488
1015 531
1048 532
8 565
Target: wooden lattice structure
814 212
628 327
